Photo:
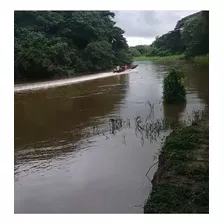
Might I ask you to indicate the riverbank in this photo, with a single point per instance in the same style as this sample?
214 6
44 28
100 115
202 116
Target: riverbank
181 183
200 59
158 58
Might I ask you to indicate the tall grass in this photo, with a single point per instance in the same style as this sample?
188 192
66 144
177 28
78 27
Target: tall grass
158 58
145 128
199 59
202 59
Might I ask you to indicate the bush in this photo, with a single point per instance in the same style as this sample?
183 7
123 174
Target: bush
173 89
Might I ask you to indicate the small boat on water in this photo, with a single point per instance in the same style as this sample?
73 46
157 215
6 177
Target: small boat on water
134 66
123 68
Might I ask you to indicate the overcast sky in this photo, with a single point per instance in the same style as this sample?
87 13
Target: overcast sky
141 27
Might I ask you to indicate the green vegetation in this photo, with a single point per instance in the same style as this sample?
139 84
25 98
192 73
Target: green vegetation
51 44
168 44
173 89
202 59
181 183
190 38
178 199
196 35
139 50
158 58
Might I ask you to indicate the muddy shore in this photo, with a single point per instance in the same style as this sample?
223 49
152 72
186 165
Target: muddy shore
181 183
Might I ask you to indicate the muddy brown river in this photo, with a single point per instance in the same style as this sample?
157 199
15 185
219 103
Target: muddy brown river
65 165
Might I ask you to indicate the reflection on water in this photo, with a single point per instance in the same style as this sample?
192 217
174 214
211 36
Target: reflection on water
173 113
198 81
59 115
60 168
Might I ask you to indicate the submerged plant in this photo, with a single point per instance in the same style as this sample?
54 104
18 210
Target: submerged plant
173 88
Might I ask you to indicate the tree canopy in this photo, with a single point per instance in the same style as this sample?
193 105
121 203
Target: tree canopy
51 44
190 37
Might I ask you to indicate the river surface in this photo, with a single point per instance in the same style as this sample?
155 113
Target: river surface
65 165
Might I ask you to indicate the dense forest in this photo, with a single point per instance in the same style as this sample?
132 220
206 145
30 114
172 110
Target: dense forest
190 37
53 44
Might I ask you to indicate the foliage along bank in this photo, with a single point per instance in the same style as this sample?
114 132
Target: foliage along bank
181 183
173 88
189 37
52 44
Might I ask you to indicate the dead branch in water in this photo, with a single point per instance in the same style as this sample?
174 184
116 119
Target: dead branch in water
151 167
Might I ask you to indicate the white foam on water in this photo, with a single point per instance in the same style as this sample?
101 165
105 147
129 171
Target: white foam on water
68 81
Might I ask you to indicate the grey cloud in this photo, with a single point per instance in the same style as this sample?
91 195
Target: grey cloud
148 24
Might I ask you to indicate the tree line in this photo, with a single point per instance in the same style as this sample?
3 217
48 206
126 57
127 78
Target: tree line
189 37
52 44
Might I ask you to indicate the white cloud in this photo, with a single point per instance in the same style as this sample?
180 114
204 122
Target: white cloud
133 41
142 27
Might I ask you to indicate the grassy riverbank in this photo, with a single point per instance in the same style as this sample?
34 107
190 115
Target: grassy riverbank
181 183
202 59
158 58
199 59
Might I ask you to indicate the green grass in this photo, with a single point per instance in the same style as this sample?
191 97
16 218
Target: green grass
202 59
181 183
179 146
157 58
167 198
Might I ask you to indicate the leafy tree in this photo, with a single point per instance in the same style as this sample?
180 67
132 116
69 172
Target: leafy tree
196 35
134 52
99 55
51 44
170 41
143 49
190 36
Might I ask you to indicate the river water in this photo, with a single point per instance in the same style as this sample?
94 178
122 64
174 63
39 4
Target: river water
62 165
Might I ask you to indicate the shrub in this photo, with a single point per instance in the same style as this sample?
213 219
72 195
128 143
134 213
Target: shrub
173 89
